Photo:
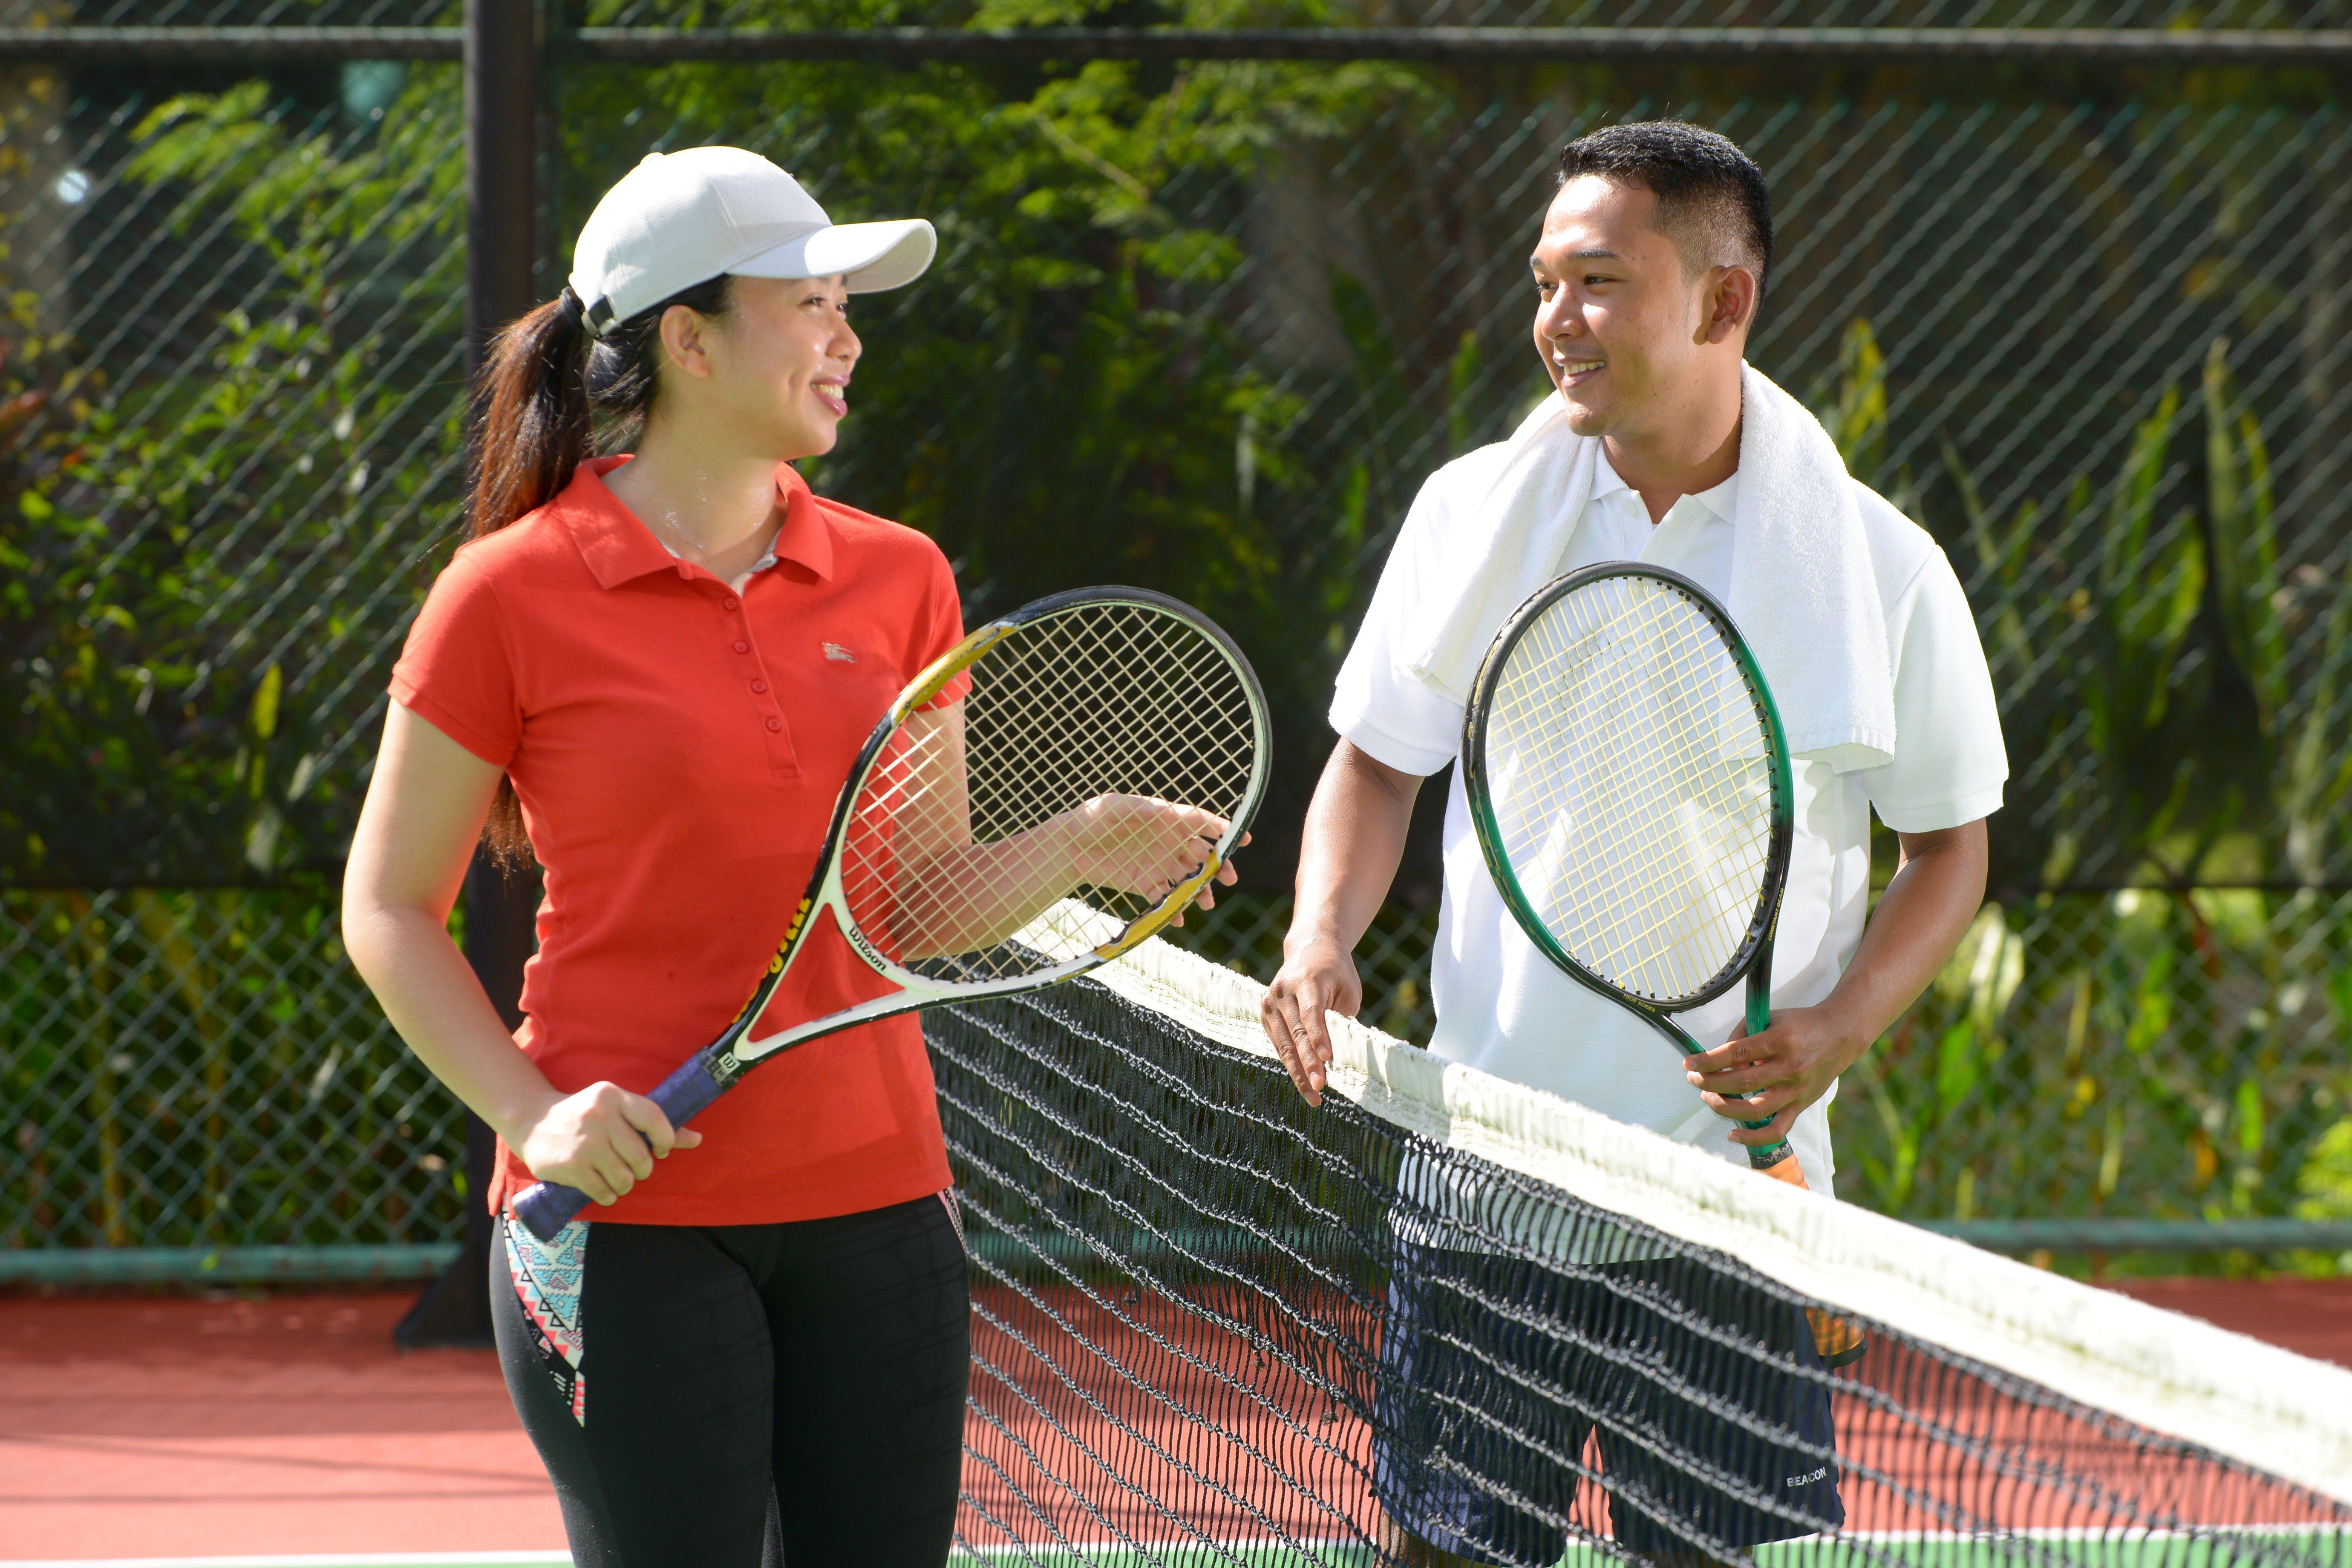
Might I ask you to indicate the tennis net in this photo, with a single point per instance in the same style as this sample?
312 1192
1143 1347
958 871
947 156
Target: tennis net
1212 1325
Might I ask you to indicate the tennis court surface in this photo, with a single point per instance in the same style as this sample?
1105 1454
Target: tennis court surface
1187 1290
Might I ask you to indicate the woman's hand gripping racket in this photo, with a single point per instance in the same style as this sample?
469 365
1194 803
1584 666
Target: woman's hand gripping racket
1628 780
1086 765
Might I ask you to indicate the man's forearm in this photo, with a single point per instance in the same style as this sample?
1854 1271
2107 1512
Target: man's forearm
1912 934
1921 919
1350 847
1348 856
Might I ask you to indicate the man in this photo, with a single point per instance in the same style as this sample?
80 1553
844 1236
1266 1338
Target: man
1648 278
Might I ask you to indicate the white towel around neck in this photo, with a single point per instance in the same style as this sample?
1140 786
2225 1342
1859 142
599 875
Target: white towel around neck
1802 588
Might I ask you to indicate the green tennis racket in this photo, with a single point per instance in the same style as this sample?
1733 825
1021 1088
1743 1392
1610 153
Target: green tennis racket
1628 780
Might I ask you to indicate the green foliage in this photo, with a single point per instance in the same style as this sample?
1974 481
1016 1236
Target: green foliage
2153 1046
2149 1054
201 579
2125 628
236 546
1854 414
203 1068
1063 401
2291 645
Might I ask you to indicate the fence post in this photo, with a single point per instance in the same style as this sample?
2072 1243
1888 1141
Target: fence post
502 71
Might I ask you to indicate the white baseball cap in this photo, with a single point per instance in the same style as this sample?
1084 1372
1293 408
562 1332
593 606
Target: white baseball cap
682 218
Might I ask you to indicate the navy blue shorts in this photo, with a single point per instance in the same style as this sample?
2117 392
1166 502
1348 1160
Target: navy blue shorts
1498 1371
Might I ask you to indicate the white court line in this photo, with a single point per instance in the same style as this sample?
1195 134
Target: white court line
564 1559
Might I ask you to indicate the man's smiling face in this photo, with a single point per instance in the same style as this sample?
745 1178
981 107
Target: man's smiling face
1619 322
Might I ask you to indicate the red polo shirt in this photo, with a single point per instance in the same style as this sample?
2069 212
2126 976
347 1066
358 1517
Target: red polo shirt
678 748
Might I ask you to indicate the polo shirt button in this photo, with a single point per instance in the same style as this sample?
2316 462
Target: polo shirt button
727 604
759 686
775 724
743 648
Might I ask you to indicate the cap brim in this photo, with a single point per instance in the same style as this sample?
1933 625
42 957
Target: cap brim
870 256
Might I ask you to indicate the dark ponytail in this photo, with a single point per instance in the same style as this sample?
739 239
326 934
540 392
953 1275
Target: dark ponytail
544 388
535 425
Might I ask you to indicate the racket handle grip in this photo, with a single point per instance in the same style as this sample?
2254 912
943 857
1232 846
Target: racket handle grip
1778 1158
548 1206
1777 1161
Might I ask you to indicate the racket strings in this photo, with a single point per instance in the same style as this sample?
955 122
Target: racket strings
1123 750
1125 745
1632 786
1054 780
1662 938
1115 709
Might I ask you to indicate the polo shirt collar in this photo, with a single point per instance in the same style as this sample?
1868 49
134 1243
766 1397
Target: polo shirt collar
1718 500
806 537
619 548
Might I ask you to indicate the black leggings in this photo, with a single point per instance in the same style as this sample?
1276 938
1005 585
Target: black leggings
744 1396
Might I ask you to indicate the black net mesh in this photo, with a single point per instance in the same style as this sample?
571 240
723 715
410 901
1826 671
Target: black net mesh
1214 1324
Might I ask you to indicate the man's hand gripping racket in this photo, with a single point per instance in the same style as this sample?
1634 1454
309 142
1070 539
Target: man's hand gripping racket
1628 780
1089 761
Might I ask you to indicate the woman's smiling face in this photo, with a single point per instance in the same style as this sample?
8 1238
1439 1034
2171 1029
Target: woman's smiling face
777 365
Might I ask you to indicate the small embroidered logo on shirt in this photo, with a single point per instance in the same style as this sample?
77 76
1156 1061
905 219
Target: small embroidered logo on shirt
833 650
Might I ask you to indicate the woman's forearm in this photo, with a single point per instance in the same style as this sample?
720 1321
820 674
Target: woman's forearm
437 1005
977 895
974 895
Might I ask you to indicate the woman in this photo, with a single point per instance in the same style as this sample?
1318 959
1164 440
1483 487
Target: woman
653 674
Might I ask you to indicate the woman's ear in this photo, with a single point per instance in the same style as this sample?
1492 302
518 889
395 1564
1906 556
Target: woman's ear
684 338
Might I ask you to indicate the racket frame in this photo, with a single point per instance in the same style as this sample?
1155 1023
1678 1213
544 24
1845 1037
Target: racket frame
1752 961
715 1068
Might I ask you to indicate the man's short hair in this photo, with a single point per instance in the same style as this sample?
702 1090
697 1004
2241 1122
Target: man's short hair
1713 202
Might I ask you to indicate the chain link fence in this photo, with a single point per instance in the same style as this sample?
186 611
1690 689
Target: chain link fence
1203 326
2153 14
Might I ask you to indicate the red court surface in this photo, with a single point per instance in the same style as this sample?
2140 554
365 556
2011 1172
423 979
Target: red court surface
160 1425
156 1425
2310 1316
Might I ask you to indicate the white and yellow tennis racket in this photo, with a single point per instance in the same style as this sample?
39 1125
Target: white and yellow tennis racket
1094 776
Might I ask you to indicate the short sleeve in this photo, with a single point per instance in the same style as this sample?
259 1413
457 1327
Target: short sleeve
456 672
939 626
1950 760
1376 706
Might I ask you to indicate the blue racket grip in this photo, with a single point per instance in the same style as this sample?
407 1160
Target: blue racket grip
548 1206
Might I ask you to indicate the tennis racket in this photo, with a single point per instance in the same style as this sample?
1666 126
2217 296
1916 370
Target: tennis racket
1628 780
1052 791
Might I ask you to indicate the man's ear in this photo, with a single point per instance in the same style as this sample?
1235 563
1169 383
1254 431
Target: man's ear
1729 306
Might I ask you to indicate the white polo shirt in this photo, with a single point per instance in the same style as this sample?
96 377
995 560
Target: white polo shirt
1502 1006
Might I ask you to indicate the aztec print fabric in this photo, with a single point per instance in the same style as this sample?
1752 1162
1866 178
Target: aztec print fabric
547 1280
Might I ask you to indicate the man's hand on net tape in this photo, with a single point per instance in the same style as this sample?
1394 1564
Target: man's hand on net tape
1779 1072
1317 975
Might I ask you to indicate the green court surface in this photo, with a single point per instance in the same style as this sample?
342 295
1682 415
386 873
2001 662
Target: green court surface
2154 1550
